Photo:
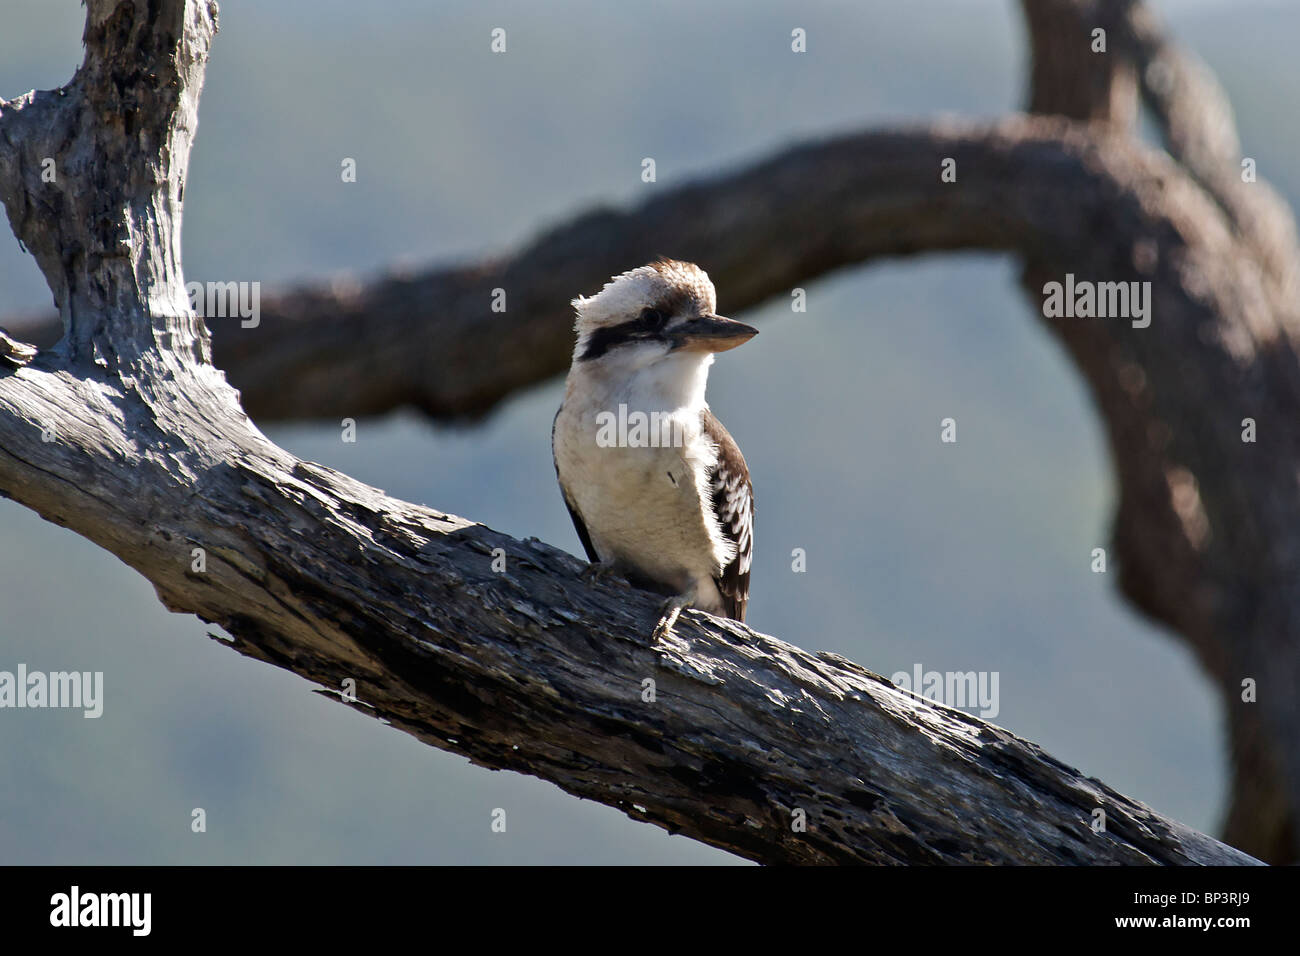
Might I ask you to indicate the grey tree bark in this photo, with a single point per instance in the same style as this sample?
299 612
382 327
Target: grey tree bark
127 433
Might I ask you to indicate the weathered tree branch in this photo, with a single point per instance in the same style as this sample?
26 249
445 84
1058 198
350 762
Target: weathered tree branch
533 670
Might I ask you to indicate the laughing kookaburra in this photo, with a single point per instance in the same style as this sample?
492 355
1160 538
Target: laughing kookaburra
657 489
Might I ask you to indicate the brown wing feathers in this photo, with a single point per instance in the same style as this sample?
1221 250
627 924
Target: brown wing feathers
733 503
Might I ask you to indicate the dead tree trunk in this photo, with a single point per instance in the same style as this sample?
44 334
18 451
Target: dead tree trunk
127 434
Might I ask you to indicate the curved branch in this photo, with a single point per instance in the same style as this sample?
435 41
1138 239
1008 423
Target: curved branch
1202 591
1190 109
758 232
1196 122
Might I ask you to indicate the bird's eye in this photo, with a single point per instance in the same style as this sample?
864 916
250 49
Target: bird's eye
653 318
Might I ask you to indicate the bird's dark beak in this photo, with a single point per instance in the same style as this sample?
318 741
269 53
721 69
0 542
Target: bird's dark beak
711 333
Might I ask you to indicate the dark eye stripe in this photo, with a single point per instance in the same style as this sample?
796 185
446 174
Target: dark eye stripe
646 326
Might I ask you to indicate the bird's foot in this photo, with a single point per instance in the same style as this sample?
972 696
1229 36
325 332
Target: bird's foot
669 611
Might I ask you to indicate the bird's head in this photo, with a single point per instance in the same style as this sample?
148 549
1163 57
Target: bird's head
662 311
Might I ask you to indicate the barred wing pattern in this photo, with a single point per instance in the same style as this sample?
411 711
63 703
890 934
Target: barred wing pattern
733 503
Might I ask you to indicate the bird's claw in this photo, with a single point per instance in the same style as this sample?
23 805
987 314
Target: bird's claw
669 611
